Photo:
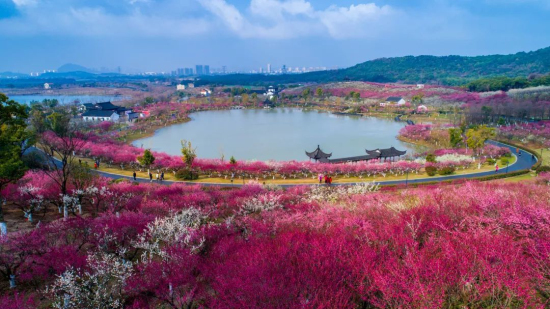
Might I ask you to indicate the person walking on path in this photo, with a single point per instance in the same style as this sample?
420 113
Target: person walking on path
326 179
150 177
320 178
157 176
329 180
496 168
162 176
95 165
134 175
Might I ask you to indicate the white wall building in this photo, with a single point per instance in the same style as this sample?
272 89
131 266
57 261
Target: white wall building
100 115
180 87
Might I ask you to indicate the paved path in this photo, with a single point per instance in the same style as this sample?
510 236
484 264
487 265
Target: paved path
524 161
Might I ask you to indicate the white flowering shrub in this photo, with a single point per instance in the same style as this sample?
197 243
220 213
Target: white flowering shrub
181 227
100 287
263 202
453 158
333 194
362 188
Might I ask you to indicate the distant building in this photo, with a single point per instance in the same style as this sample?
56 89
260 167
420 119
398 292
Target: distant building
393 101
191 85
180 72
206 92
188 71
180 87
223 69
100 115
47 86
268 68
105 106
199 69
420 86
206 70
271 92
283 69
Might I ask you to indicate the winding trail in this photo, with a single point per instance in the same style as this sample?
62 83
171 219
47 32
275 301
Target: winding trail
524 161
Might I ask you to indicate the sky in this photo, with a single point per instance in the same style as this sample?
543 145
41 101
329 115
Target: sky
162 35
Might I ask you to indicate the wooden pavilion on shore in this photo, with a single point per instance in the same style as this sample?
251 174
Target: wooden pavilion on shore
390 153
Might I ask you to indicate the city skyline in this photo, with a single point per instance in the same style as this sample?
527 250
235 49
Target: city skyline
150 35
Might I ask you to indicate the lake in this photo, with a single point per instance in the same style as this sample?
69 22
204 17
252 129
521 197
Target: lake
66 99
276 134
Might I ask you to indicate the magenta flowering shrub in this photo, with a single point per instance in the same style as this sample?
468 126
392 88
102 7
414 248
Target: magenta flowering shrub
472 245
536 132
417 132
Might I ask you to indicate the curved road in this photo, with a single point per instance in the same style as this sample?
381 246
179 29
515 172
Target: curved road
524 161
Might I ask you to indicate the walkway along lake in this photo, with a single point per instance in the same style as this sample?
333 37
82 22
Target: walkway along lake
276 134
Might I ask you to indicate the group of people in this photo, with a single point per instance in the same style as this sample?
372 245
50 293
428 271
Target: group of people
327 179
158 176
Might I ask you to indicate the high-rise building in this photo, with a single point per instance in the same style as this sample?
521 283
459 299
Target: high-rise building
223 69
268 68
283 69
198 69
180 72
188 71
206 69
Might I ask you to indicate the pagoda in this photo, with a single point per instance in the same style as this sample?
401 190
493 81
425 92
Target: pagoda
319 155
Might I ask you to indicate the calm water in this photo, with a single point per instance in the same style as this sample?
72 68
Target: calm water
66 99
278 134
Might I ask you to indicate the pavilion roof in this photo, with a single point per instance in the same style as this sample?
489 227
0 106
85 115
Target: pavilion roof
318 154
388 152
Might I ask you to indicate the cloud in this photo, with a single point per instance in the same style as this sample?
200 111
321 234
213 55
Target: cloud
274 19
103 18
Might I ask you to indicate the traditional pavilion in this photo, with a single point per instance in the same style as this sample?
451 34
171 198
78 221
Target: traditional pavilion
319 155
387 153
391 153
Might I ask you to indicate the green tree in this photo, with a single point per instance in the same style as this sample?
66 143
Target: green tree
232 160
319 92
306 93
476 137
455 137
418 98
12 138
189 153
146 159
59 123
356 96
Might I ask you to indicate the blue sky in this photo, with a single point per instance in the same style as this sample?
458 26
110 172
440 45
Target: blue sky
161 35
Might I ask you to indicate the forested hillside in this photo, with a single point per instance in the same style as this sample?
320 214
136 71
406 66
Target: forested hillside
446 70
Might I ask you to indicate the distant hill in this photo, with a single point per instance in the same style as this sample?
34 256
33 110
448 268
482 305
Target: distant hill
71 67
447 70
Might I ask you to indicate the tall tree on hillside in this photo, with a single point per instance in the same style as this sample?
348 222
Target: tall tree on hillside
13 140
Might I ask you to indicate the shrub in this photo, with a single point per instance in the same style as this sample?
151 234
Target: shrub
448 170
504 161
431 170
185 174
430 158
491 161
543 169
